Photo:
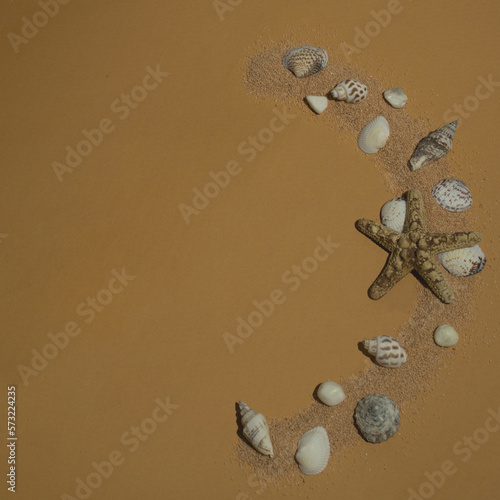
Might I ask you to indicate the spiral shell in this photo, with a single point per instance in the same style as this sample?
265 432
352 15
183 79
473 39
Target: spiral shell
305 61
387 351
374 135
445 336
350 91
313 451
256 430
331 393
393 214
396 97
464 261
452 195
377 418
433 147
317 103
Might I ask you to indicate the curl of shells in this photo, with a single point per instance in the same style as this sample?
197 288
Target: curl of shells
374 135
256 430
387 351
305 61
393 214
313 451
377 418
452 195
350 91
464 261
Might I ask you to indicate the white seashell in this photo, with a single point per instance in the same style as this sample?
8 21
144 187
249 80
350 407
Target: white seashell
317 103
374 135
396 97
256 430
313 451
377 418
387 351
445 336
464 261
305 61
350 91
452 195
393 214
331 393
433 147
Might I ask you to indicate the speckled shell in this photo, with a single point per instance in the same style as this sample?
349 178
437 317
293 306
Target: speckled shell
331 393
387 351
313 451
377 418
396 97
374 135
433 147
317 103
452 195
445 336
393 214
256 430
305 61
464 261
350 91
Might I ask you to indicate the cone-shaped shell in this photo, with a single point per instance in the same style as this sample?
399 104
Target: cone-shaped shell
313 451
445 336
374 135
350 91
305 61
393 214
377 418
452 195
433 147
317 103
387 351
464 261
330 393
256 430
396 97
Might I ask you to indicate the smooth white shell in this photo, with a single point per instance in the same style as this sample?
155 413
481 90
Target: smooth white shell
256 430
350 91
393 214
317 103
331 393
374 135
463 262
396 97
445 336
387 351
313 451
305 61
452 195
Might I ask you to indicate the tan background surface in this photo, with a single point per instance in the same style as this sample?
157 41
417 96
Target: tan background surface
162 335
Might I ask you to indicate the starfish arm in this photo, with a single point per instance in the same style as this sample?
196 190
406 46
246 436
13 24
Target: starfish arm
395 269
429 269
438 243
415 211
383 235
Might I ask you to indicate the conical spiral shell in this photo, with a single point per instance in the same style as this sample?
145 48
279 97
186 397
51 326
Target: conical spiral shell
393 214
305 61
464 261
256 430
387 351
374 135
433 147
377 418
350 91
452 195
313 451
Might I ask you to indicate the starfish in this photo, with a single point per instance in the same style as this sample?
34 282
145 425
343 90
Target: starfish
415 249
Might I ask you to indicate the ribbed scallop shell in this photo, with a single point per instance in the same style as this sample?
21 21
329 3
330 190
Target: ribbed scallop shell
330 393
377 418
387 351
393 214
317 103
256 430
313 451
305 61
350 91
464 261
374 135
452 195
396 97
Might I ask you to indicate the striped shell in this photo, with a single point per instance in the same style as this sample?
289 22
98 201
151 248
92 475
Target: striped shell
452 195
256 430
464 261
317 103
305 61
387 351
313 451
377 418
393 214
374 135
350 91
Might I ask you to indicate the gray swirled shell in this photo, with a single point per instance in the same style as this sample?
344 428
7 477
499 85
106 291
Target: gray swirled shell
464 261
452 195
305 61
377 418
393 214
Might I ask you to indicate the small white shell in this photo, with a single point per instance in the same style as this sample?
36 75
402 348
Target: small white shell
317 103
305 61
350 91
393 214
464 261
452 195
396 97
445 336
374 135
256 430
331 393
387 351
313 451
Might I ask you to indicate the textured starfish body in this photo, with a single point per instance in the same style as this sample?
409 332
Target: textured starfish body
415 249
